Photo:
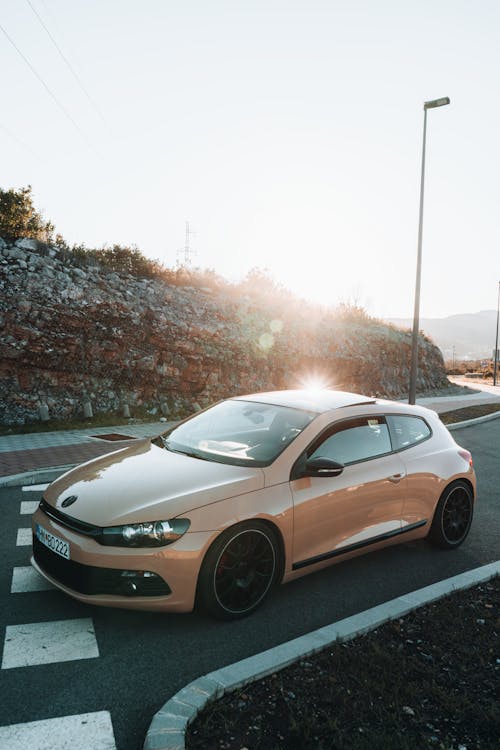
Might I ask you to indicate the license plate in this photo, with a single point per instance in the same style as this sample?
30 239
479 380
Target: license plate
59 546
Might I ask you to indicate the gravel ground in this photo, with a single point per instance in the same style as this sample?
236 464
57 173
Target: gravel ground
429 680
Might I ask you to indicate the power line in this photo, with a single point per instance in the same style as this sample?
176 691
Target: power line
68 64
20 142
51 94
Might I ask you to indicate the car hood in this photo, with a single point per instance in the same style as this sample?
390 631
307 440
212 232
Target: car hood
145 483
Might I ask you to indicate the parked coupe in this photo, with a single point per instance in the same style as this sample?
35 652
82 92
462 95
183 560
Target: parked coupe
253 491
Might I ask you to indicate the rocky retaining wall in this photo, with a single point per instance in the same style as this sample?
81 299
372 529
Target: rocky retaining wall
74 334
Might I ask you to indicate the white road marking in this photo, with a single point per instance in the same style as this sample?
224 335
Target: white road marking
24 537
49 642
28 579
29 506
79 732
35 487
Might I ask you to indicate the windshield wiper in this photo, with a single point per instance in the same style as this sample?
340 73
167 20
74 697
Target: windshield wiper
191 454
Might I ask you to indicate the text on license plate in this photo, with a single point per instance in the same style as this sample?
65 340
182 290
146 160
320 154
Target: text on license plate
59 546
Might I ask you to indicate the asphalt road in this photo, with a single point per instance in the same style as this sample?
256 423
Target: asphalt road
145 658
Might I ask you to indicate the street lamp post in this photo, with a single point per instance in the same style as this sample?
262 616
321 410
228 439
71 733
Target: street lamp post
496 339
416 314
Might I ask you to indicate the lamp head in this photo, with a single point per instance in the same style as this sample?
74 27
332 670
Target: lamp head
436 103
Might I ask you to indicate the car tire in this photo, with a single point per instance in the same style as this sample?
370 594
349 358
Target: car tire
239 570
453 516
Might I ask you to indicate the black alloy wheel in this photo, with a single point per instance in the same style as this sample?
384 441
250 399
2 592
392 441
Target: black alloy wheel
453 516
239 570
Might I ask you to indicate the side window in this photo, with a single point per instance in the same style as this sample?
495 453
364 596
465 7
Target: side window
354 440
407 431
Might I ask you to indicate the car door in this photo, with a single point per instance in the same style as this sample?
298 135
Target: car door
363 505
410 436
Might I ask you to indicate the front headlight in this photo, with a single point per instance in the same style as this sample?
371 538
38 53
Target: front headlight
153 534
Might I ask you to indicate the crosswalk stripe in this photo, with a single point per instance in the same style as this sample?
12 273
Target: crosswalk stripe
28 507
78 732
49 642
26 579
24 537
35 487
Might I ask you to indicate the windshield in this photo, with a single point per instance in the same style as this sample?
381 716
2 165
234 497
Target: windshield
237 432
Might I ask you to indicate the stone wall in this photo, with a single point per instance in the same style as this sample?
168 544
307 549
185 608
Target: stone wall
72 333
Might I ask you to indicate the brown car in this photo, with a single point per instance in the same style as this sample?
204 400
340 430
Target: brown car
253 491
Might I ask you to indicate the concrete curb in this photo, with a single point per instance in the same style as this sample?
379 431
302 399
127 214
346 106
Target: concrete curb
168 728
471 422
35 477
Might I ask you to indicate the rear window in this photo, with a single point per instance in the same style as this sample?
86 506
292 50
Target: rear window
407 431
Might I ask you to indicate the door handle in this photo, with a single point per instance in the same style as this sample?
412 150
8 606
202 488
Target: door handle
395 478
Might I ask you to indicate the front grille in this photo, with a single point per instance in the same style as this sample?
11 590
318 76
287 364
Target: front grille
68 522
90 580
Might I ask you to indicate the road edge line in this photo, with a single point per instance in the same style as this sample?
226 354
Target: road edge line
168 727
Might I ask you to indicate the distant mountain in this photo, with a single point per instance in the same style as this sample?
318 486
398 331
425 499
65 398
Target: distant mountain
472 334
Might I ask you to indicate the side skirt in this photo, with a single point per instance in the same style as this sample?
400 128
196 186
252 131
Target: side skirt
358 545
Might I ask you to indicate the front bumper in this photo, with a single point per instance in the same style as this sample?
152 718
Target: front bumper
162 578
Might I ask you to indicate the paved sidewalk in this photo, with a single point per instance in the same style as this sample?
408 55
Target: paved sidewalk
88 435
448 403
480 385
44 450
15 462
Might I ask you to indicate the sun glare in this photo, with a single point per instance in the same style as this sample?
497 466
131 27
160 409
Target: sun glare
315 383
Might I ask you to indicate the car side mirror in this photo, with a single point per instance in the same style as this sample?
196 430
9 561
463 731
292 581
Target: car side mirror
321 466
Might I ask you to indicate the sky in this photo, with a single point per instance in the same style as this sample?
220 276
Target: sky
287 132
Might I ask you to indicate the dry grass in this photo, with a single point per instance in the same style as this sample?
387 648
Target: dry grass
470 412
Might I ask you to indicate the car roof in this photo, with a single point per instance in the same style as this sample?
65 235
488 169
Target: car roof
319 401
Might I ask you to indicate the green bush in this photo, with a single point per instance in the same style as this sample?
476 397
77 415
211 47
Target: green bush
19 218
124 259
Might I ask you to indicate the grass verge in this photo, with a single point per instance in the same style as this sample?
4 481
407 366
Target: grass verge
470 412
428 680
53 425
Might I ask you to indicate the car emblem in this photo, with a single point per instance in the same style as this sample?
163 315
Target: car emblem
69 501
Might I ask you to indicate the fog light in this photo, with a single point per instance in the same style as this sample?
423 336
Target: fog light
142 583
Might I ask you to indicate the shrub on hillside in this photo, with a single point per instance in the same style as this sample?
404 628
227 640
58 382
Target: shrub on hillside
124 259
19 218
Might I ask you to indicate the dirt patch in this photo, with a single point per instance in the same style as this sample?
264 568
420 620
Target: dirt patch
470 412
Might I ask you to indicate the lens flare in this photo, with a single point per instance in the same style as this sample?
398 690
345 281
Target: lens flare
266 341
276 326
